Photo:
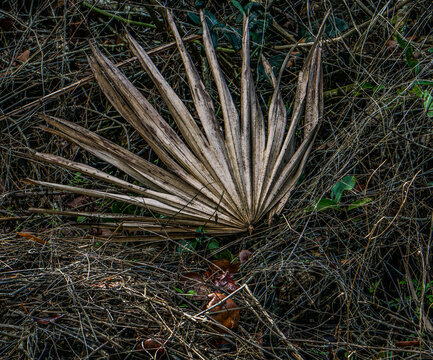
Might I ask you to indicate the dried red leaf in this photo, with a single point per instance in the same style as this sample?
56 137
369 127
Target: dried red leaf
227 313
78 201
153 346
100 231
24 56
392 44
194 281
218 267
48 320
244 255
359 188
226 282
33 238
76 30
346 261
404 344
191 276
109 285
24 308
259 338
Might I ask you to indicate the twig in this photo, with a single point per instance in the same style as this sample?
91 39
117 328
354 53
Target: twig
117 17
41 101
291 347
343 36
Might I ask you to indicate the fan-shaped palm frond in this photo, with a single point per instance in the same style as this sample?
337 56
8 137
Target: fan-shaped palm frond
225 180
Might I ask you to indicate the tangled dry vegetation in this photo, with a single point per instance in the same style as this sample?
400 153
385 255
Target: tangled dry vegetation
343 271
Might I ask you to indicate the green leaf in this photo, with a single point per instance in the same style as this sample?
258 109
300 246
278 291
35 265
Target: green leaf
359 203
428 103
238 6
180 291
211 19
411 60
346 183
324 204
81 219
187 246
224 255
211 22
423 82
254 7
417 91
257 24
213 245
199 4
78 179
401 42
200 230
194 18
233 36
333 27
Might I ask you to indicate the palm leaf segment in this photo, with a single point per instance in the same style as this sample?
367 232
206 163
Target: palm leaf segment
226 181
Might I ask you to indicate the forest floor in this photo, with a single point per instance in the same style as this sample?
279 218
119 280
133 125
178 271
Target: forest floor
343 273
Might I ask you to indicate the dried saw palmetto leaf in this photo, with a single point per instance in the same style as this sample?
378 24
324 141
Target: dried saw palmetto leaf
225 180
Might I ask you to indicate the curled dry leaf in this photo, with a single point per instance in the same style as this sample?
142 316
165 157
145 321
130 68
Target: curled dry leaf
227 313
48 320
409 343
78 202
33 238
226 282
244 255
24 56
219 267
192 276
194 281
100 231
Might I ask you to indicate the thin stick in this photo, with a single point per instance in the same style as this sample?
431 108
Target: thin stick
117 17
89 78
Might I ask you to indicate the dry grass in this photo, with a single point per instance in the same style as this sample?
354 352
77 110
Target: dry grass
319 284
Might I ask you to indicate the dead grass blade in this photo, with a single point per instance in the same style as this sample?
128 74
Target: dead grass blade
287 167
245 138
218 159
152 175
157 129
172 200
229 112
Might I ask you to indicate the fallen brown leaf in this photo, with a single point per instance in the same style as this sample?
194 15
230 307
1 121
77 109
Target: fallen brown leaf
244 255
226 282
33 238
194 281
153 346
404 344
227 313
48 320
218 267
24 56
